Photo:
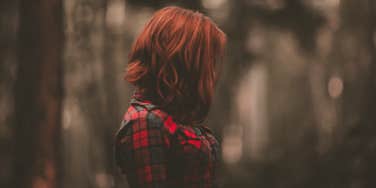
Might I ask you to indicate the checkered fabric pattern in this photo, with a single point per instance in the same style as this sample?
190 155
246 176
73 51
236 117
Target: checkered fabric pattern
156 152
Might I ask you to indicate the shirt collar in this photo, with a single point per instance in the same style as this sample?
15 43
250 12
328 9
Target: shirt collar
139 99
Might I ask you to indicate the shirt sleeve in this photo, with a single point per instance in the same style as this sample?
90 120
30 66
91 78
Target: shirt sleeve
141 151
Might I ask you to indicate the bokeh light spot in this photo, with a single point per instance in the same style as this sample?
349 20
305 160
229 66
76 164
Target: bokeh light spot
335 86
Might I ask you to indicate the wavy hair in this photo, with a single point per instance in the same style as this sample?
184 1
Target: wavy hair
173 62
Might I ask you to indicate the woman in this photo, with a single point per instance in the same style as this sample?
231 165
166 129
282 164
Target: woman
162 142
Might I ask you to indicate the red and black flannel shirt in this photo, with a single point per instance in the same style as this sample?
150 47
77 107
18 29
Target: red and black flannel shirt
156 152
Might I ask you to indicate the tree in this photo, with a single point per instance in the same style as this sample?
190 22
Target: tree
351 161
38 94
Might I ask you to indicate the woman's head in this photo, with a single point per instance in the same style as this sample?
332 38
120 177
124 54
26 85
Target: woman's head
174 60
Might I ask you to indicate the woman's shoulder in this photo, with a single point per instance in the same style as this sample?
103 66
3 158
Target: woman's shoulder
144 114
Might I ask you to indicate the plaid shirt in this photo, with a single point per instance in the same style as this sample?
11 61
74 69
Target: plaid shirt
156 152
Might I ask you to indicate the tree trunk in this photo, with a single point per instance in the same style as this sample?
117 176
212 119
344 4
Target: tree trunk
85 115
351 162
8 65
38 94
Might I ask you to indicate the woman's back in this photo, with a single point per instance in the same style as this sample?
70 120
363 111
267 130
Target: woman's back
154 151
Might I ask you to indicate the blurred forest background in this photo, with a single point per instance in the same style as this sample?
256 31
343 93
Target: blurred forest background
295 106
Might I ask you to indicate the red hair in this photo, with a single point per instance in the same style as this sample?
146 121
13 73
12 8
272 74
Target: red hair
173 61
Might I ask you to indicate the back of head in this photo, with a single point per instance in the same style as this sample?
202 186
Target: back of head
173 62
